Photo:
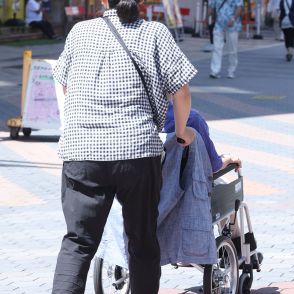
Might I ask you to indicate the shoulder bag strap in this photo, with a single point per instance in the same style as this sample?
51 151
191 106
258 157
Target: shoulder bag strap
121 41
222 4
217 10
288 4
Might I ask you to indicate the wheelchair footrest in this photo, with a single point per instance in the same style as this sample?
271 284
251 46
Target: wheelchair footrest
249 239
254 261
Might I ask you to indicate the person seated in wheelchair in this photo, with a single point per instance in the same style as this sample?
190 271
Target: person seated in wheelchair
218 162
197 122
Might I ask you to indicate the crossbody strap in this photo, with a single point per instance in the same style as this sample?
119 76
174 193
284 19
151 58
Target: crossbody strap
288 6
217 11
222 4
121 41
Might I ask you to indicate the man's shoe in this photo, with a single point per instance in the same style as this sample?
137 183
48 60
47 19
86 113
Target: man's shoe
214 76
230 76
208 48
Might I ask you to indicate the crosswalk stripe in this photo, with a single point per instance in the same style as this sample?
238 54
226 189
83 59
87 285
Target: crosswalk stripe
238 128
14 195
260 158
36 153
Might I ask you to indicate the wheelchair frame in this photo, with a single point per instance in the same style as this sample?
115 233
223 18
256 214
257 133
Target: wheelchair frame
217 275
233 195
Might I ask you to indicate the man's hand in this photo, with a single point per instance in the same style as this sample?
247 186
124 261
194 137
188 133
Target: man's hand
231 22
228 158
187 136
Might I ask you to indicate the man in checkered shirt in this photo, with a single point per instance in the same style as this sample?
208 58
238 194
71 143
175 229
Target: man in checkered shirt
110 143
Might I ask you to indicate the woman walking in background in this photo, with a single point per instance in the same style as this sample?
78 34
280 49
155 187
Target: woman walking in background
287 25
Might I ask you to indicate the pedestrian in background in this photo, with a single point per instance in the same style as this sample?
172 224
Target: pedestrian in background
227 26
273 8
287 25
110 143
34 18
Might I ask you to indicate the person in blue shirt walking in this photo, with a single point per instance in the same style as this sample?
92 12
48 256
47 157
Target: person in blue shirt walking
226 14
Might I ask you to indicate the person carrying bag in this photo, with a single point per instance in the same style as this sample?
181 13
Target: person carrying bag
110 143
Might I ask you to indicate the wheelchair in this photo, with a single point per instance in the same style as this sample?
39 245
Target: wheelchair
236 258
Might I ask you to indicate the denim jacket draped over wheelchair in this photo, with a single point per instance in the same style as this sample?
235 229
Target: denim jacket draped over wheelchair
185 231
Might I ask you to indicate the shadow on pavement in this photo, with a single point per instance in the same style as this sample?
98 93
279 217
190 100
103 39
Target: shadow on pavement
194 290
17 163
32 139
266 290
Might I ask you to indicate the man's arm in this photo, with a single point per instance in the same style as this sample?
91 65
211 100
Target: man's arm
182 107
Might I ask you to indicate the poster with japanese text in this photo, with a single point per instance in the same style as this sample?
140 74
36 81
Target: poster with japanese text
43 97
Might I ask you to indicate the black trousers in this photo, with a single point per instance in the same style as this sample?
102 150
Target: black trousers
88 190
44 26
289 37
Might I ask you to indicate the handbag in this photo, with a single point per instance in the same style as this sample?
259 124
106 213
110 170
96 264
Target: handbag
121 41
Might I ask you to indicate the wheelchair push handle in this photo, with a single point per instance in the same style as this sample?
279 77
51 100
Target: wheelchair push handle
237 204
224 171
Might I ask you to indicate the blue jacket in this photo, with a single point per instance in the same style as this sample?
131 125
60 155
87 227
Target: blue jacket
197 122
185 231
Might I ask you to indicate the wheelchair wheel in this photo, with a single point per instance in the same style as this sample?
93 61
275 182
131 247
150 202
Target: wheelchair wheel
244 284
222 277
110 278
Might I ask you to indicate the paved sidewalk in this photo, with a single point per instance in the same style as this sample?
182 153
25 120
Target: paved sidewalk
252 116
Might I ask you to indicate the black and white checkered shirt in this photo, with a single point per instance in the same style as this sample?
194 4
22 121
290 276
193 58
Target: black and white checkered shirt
107 114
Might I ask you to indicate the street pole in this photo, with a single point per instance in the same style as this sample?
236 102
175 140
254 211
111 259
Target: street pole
197 32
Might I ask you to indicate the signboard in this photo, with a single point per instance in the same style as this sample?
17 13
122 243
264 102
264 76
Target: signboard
43 97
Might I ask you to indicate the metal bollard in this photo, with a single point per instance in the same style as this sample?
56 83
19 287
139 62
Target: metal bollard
197 32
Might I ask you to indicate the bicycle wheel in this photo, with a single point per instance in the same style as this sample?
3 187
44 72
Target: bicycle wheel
110 278
223 277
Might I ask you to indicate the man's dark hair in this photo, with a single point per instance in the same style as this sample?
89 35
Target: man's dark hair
127 10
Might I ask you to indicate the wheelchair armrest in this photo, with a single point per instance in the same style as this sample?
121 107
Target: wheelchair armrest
224 171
